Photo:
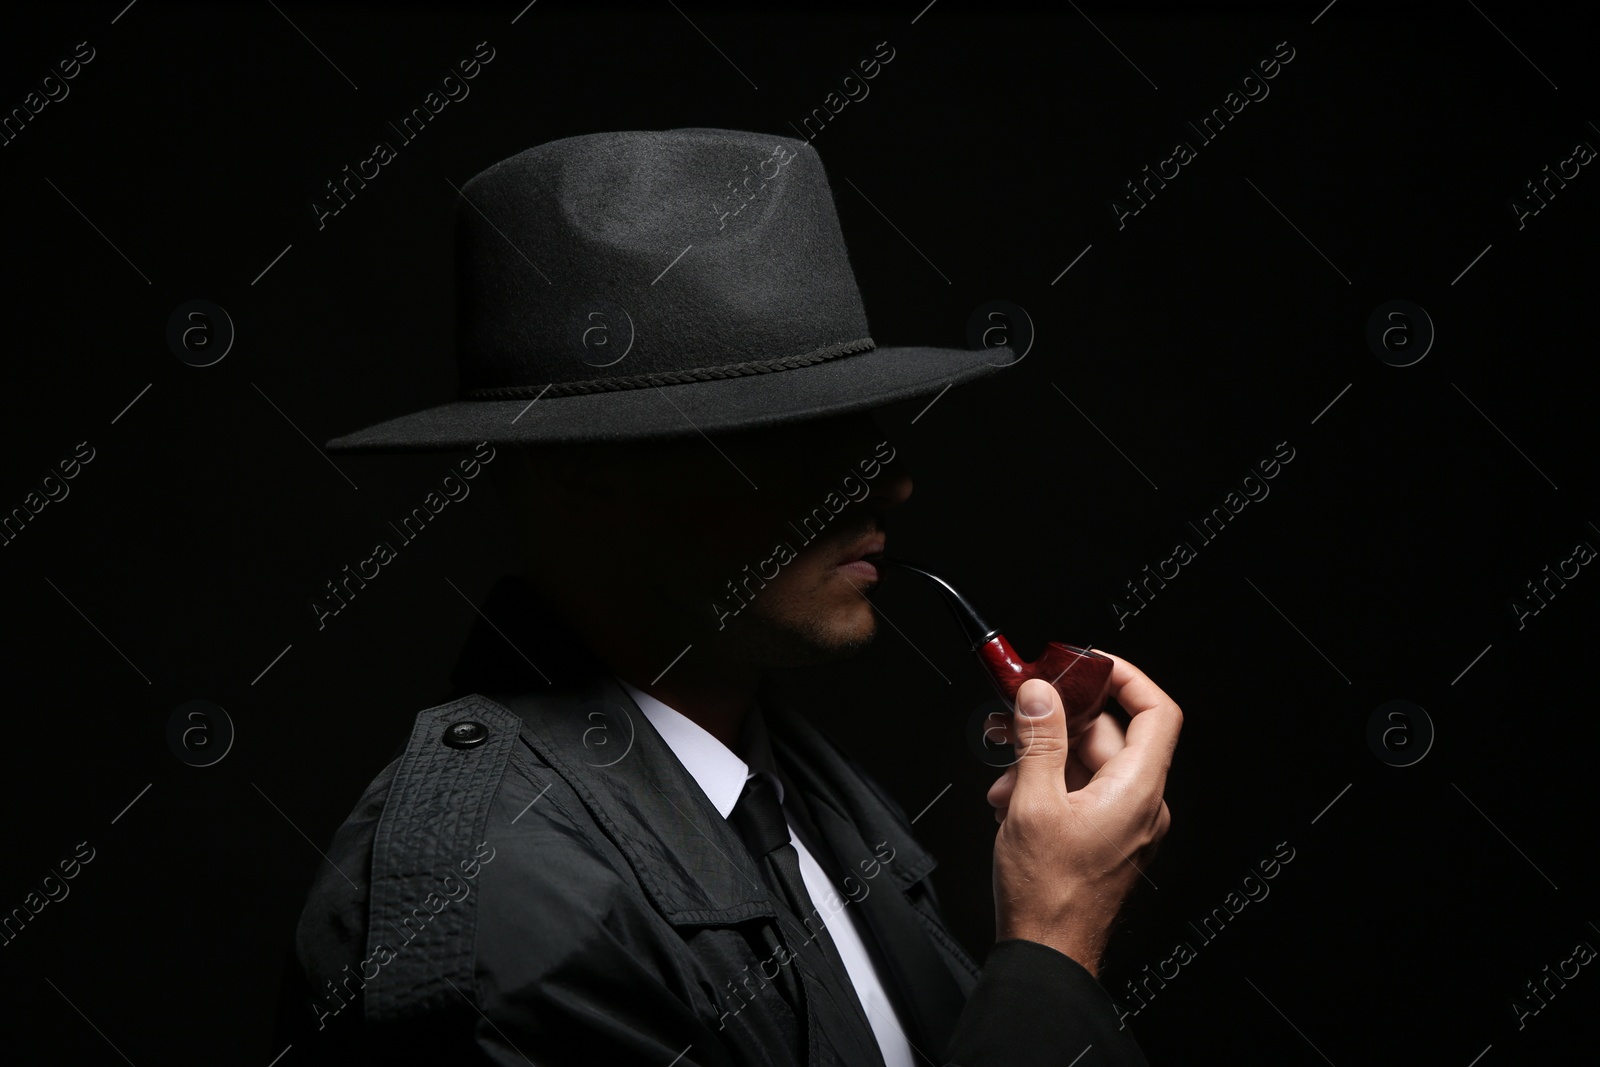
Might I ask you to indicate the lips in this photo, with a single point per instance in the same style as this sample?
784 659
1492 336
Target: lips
868 549
860 564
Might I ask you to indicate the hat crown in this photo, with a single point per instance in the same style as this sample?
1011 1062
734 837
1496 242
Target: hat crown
622 260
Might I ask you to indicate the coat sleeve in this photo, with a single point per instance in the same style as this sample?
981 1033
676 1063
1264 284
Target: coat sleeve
1034 1006
1031 1005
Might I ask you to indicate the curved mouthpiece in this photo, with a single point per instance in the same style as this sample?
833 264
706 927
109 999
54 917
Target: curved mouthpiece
972 624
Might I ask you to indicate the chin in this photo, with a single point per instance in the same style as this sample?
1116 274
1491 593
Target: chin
815 640
847 641
845 631
839 646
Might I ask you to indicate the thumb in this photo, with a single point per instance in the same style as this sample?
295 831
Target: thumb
1040 731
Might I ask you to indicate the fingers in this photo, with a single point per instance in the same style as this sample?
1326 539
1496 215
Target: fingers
1085 757
1134 690
1152 733
1139 757
1040 730
1000 792
1100 742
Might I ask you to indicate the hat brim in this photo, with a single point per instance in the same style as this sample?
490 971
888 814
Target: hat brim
870 379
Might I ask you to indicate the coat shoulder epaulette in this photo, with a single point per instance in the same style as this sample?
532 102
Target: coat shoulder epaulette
429 846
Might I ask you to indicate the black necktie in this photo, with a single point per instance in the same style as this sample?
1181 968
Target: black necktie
758 818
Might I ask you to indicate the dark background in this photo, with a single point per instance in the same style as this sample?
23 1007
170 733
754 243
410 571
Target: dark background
1215 325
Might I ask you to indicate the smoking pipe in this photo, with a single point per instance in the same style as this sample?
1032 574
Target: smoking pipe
1080 675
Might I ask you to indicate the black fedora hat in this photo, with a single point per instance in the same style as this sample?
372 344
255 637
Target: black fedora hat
644 285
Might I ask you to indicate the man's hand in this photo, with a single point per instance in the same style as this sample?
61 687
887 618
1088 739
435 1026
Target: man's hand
1075 836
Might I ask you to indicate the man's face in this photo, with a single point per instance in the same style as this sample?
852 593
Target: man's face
752 542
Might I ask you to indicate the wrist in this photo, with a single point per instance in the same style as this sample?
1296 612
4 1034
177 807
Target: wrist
1085 946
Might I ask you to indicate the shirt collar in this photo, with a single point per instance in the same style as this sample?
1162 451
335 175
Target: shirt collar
718 770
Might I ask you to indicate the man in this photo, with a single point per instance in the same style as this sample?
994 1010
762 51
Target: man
623 843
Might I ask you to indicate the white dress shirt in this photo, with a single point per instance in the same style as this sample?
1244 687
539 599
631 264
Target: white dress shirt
721 774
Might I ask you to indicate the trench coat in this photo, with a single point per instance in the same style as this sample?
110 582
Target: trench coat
537 879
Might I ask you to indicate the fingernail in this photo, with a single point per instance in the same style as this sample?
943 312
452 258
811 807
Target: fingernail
1036 709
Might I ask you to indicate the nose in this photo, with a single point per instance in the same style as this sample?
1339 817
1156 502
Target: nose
894 483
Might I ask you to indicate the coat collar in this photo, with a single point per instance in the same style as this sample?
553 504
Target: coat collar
720 772
691 863
685 854
591 732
